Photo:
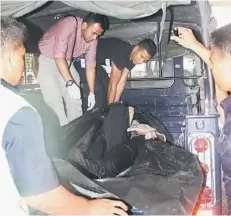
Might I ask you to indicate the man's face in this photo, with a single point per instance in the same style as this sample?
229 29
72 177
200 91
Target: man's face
91 32
221 69
139 55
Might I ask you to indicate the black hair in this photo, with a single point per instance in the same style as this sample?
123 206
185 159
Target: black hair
12 32
92 18
221 39
149 45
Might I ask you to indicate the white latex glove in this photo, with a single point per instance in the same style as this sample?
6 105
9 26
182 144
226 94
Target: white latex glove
91 101
74 91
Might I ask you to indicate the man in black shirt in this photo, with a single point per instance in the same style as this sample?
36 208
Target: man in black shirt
122 57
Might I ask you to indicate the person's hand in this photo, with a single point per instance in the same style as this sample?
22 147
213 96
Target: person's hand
74 91
186 38
91 101
107 207
147 131
142 129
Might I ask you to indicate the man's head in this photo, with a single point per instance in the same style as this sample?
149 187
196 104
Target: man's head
143 51
12 50
221 57
93 26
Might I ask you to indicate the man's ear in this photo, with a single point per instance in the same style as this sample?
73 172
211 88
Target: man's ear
84 25
134 50
136 47
11 58
8 56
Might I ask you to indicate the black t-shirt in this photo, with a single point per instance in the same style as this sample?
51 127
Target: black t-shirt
116 51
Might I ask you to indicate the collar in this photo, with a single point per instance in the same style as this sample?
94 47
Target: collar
8 85
226 104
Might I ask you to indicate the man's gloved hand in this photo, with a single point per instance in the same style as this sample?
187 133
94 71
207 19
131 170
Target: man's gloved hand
91 101
74 91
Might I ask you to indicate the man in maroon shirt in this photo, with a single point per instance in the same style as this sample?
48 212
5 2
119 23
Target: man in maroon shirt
69 38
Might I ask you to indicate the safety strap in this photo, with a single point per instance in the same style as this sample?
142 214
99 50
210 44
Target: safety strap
72 52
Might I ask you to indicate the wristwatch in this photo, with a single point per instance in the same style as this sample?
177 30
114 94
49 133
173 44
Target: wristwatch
69 83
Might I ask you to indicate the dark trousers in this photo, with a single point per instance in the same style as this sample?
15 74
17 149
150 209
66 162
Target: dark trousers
113 132
101 86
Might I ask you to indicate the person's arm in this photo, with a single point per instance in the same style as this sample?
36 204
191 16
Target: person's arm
59 201
113 83
121 84
65 30
63 69
90 74
73 90
188 40
91 66
202 52
34 175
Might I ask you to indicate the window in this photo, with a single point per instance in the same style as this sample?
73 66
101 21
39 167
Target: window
151 70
